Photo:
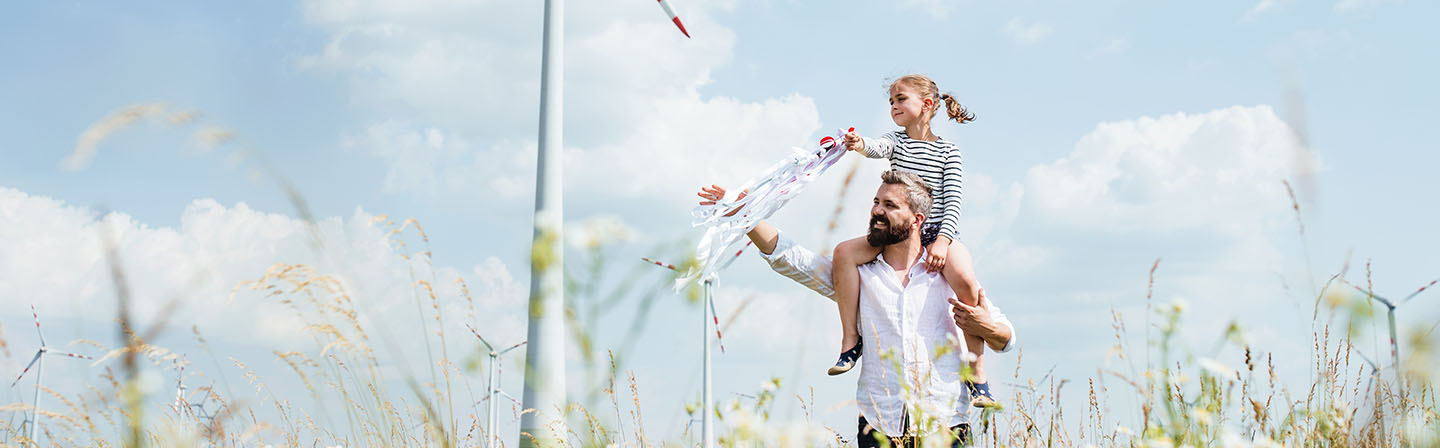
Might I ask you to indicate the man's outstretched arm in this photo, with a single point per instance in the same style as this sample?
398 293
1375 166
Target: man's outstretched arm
794 262
765 237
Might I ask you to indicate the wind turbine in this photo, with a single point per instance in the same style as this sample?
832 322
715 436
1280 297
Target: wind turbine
493 385
37 362
179 386
1390 306
710 319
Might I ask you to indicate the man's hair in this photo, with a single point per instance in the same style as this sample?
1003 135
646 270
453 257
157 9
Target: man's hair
917 192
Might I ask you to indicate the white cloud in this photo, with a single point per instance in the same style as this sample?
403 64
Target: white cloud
632 104
1202 191
50 256
473 66
1027 33
687 138
431 161
1177 172
599 230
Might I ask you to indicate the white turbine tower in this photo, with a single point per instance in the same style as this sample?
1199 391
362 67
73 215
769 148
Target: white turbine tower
179 386
545 357
37 362
492 388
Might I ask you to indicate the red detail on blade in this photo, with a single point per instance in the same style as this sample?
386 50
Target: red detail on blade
681 25
663 265
851 130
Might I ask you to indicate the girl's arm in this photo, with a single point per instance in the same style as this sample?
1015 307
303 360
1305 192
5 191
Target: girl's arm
876 148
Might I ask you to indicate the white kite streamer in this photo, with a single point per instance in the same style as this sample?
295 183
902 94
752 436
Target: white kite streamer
727 220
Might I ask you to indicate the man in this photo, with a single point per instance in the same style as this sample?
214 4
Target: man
909 313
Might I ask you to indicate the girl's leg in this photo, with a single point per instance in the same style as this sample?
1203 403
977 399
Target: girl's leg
848 256
959 272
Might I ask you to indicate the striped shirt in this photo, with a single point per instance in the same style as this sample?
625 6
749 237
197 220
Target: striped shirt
937 162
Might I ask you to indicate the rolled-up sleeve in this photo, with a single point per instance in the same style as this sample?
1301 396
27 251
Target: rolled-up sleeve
802 265
1000 318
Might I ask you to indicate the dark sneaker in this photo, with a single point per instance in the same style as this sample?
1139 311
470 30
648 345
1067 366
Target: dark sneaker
980 395
847 360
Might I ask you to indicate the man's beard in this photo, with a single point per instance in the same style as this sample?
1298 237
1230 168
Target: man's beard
891 234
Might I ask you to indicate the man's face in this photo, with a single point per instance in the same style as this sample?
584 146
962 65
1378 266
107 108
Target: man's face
891 219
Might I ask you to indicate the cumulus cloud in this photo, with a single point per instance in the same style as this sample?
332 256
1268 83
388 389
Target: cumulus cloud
1203 191
431 161
1178 172
632 105
51 256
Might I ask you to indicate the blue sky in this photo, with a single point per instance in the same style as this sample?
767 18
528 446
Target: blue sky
1110 134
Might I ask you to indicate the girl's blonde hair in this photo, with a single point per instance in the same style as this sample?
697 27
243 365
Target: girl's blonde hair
927 89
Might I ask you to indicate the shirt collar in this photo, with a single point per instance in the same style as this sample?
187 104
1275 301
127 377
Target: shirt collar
924 251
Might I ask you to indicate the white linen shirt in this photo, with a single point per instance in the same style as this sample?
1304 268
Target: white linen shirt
813 271
911 323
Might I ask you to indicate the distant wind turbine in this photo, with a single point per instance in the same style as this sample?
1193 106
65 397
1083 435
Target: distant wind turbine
179 386
37 362
493 387
1390 306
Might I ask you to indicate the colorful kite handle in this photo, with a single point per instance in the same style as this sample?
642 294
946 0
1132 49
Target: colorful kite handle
828 142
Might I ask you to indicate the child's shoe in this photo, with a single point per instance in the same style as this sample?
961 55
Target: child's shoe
847 360
980 395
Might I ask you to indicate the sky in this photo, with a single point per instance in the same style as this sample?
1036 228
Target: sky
1110 134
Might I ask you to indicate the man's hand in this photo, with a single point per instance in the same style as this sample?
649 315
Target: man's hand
853 142
973 320
763 234
938 251
711 194
714 193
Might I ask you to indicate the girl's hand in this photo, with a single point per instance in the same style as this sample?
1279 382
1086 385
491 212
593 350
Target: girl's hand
939 249
853 142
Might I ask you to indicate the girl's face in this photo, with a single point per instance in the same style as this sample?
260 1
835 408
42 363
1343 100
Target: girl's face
907 106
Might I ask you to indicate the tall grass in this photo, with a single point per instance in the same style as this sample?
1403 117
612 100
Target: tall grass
1186 396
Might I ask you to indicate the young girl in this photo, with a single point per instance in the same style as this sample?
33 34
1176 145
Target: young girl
914 100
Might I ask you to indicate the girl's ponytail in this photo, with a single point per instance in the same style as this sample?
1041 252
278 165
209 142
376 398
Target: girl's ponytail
955 110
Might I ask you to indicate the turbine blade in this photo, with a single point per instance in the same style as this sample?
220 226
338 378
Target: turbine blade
1418 291
481 338
72 355
674 17
27 368
1356 350
507 395
37 325
511 348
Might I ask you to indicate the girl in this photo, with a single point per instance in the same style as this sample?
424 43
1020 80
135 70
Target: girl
914 100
